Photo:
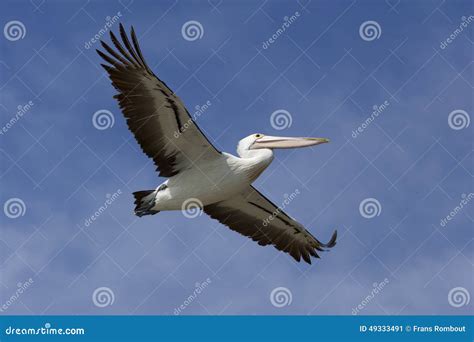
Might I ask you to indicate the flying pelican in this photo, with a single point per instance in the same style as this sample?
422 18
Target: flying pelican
219 182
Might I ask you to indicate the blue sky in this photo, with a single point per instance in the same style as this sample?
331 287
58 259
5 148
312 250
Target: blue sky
410 160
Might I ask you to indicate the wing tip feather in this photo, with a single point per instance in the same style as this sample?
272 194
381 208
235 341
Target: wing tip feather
332 242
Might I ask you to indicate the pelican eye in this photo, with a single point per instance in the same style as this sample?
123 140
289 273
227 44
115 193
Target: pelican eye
258 135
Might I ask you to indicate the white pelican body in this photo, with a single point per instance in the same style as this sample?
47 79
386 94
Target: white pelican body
218 182
211 182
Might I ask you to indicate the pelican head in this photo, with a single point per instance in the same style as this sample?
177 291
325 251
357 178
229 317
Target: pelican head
259 141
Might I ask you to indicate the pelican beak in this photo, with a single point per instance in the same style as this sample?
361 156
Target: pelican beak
286 142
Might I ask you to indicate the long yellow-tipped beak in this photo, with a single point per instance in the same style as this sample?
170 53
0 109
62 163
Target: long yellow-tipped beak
286 142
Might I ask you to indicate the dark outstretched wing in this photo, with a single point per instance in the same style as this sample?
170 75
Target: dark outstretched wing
253 215
156 116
